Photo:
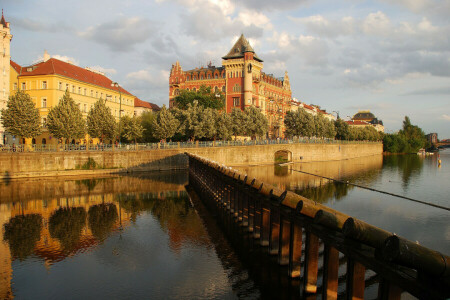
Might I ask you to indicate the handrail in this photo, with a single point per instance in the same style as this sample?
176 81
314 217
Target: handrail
169 145
275 216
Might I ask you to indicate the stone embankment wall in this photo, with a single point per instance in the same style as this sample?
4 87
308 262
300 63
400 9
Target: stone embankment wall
35 164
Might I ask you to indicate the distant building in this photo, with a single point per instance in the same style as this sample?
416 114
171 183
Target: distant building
432 138
311 109
4 65
242 81
143 106
366 118
47 81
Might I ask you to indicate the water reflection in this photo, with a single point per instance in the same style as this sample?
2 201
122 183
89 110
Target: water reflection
22 233
102 219
66 225
408 166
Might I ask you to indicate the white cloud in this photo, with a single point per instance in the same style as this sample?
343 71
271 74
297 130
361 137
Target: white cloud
59 57
104 70
445 117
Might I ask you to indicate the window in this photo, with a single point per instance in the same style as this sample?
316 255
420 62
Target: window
209 76
24 86
194 89
73 89
201 77
96 94
187 89
44 122
92 93
85 92
15 86
223 89
216 89
67 86
115 99
216 76
60 85
44 102
101 95
235 101
176 92
236 88
44 85
85 108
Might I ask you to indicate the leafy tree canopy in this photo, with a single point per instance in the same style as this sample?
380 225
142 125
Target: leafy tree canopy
205 97
100 121
257 123
165 124
21 117
65 119
132 128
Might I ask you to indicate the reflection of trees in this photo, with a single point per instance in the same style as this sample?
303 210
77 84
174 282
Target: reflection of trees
281 171
66 225
134 205
324 193
102 218
22 232
89 183
407 166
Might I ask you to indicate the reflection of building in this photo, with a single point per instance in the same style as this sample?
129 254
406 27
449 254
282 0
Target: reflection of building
242 81
365 118
4 65
432 138
143 106
46 82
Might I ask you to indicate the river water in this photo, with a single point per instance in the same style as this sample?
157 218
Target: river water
135 237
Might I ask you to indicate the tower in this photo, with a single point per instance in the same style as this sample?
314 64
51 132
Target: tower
4 68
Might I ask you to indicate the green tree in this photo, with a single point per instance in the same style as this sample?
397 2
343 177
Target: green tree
238 122
256 123
193 125
224 126
342 130
100 122
21 117
147 119
299 123
210 116
65 120
205 97
132 128
165 124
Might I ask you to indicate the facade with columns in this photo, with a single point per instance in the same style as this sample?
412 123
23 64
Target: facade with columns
4 68
242 81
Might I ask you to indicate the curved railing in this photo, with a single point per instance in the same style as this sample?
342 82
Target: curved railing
283 221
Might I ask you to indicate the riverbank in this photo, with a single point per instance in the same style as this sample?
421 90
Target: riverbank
77 163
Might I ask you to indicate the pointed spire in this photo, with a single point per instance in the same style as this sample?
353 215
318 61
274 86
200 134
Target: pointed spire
239 48
2 21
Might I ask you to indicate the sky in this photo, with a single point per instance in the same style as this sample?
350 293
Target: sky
391 57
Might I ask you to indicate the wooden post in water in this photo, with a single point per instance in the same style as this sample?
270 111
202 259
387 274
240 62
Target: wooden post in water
311 262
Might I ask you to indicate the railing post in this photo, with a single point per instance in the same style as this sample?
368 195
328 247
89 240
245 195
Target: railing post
284 241
311 262
274 230
330 273
355 280
388 291
295 250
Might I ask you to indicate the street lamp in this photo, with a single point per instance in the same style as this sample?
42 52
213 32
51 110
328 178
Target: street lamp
337 114
115 84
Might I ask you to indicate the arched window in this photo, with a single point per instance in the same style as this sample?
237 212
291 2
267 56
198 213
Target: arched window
216 76
187 89
201 77
33 141
176 92
209 76
44 141
223 89
194 89
216 89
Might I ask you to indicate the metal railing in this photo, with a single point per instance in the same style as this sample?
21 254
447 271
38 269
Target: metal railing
313 242
168 145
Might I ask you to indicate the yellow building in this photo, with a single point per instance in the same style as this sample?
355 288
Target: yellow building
47 81
4 68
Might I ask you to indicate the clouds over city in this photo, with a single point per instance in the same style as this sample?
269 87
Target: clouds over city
384 55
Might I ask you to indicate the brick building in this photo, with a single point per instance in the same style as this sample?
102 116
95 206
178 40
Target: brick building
242 81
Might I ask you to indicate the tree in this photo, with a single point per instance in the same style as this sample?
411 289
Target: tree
21 117
257 123
342 130
408 140
210 116
165 124
299 123
205 97
194 121
100 121
65 119
238 122
147 123
132 128
223 126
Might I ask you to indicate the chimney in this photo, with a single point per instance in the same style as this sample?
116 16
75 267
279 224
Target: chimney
46 56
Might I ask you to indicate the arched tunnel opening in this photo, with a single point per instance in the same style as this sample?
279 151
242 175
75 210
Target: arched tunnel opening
283 156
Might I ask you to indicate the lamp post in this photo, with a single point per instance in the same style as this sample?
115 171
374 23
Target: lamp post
115 84
337 114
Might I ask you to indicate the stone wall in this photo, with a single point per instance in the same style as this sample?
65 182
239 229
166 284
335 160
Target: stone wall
32 164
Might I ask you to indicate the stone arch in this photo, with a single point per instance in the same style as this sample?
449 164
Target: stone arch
283 156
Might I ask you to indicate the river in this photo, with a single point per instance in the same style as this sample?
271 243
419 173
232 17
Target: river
142 236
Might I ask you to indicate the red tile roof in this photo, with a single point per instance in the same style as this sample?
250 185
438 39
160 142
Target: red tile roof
139 103
56 66
15 66
356 122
